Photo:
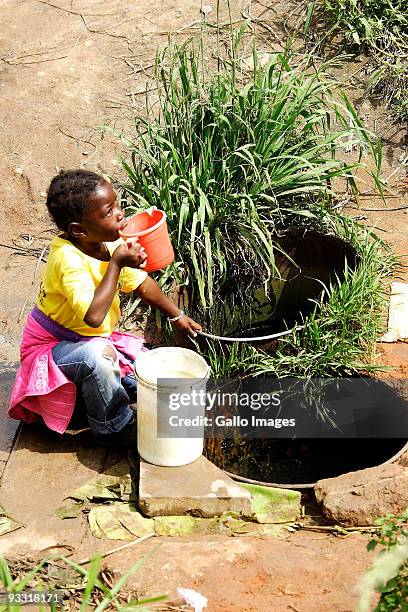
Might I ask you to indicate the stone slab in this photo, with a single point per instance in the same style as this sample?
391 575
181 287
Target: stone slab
199 488
358 498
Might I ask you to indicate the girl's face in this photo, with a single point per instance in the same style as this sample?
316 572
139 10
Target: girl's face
104 217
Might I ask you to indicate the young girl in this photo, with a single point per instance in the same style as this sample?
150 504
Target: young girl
70 353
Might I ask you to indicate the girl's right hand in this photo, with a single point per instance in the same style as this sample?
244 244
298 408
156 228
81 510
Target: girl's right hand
132 257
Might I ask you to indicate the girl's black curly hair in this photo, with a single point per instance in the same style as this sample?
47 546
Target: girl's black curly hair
68 196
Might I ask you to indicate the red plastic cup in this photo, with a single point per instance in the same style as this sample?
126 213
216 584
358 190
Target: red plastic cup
150 229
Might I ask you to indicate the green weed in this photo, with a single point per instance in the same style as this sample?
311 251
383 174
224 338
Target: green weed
95 594
389 572
379 27
339 336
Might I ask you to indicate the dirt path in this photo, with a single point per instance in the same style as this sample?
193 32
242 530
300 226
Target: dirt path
305 571
64 72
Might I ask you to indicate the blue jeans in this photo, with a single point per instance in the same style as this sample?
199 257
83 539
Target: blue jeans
94 368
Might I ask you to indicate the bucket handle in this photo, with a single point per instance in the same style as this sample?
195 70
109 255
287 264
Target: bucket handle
150 211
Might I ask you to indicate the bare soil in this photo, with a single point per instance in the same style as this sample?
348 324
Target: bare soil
66 69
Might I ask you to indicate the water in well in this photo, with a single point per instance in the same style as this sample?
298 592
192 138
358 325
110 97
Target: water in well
303 461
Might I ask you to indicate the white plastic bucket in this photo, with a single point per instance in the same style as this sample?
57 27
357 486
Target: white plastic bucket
181 366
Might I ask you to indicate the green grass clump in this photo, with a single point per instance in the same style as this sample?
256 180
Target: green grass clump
379 27
87 585
233 156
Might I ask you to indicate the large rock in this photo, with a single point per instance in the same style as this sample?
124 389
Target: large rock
199 488
358 498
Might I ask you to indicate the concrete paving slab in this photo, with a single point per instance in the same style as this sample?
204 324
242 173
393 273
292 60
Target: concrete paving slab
8 427
199 487
43 468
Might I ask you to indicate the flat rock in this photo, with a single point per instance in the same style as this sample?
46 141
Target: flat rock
198 488
358 498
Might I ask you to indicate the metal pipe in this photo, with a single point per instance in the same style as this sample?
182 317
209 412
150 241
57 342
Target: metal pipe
256 339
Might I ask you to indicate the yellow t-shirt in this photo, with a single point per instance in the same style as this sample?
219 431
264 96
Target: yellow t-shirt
68 284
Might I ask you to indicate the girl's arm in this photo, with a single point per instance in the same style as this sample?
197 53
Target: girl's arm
150 292
105 291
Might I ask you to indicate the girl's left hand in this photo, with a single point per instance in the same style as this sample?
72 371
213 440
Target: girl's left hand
187 325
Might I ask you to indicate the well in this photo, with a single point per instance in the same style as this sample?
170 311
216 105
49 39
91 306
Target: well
312 261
